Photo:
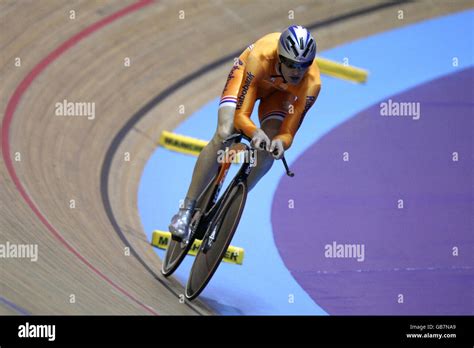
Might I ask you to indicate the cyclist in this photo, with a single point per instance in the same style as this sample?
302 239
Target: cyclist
280 71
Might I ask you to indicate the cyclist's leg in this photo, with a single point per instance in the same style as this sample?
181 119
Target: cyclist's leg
264 159
271 112
206 164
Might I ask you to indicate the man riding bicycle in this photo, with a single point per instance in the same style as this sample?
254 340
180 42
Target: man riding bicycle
280 71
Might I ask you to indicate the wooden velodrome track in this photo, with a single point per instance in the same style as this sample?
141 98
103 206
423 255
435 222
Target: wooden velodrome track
83 250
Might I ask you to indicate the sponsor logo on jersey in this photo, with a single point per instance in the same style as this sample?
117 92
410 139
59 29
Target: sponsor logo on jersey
245 89
231 75
309 102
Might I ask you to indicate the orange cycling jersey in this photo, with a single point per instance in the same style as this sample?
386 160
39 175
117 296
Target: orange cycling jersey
255 76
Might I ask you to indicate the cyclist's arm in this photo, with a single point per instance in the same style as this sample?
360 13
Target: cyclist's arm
292 122
247 96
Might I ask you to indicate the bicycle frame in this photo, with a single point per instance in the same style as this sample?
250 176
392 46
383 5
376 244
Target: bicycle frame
210 210
217 229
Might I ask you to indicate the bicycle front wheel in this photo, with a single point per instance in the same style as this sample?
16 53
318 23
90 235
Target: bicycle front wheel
225 224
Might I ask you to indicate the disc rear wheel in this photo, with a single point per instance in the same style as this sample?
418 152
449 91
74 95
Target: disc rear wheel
224 224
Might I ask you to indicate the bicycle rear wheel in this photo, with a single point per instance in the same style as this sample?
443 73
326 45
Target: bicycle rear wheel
176 251
225 222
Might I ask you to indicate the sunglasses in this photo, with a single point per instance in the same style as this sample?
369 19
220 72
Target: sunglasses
291 64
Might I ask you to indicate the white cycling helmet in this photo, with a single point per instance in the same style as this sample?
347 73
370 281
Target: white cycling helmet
296 47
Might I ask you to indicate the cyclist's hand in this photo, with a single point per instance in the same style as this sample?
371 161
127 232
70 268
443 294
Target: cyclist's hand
276 149
260 137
